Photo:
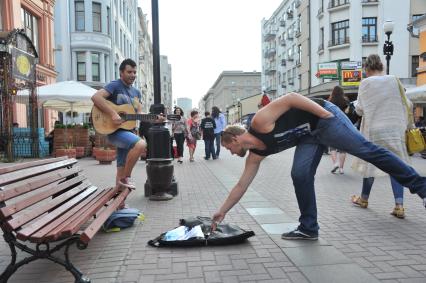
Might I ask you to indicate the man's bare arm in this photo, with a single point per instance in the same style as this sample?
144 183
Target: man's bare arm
250 171
265 118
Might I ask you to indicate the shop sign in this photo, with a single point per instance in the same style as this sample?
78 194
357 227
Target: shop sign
351 73
328 70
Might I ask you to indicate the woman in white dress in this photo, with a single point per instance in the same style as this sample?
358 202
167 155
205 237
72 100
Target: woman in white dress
384 121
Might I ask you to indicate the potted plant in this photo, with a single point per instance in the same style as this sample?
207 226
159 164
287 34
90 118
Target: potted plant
67 150
106 155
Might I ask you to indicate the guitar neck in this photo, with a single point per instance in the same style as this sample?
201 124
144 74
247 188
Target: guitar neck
141 117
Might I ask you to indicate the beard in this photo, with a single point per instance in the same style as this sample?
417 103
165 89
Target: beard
242 152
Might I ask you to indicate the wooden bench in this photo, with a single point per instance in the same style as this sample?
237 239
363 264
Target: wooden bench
48 203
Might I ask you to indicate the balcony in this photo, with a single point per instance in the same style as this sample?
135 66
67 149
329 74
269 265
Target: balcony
290 37
271 69
282 23
338 4
282 42
297 3
369 2
283 62
320 48
270 89
338 41
298 62
297 33
290 81
320 12
269 35
369 39
270 52
289 14
283 85
290 59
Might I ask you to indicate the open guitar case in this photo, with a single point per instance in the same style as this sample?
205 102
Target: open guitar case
225 234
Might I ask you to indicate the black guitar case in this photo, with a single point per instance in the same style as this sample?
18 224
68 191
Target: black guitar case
225 234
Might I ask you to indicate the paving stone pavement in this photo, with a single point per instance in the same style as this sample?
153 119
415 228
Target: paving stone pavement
355 245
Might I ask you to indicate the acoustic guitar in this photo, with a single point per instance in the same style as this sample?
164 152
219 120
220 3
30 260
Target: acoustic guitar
104 125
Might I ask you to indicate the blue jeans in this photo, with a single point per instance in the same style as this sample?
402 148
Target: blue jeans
217 138
209 148
397 189
124 141
339 132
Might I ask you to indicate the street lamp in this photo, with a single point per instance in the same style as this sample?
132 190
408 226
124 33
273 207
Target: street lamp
388 46
240 107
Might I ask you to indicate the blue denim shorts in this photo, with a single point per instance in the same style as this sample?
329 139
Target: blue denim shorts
124 141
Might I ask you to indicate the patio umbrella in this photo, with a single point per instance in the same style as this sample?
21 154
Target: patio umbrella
65 96
417 94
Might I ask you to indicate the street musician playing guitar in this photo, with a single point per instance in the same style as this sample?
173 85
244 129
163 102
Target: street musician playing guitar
130 147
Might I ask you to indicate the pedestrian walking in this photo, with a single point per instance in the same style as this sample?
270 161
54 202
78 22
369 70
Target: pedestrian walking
338 98
207 128
309 125
193 133
220 121
384 121
180 132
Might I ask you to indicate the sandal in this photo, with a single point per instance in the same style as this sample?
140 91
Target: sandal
398 212
358 201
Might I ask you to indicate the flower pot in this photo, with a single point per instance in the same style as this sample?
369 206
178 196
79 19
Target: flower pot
70 152
79 150
95 151
106 156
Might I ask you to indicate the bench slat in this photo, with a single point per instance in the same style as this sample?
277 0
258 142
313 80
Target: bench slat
76 224
54 228
29 172
34 227
96 224
28 185
48 191
32 214
24 165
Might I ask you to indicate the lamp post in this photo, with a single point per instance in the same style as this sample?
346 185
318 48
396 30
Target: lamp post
388 46
160 183
240 109
227 114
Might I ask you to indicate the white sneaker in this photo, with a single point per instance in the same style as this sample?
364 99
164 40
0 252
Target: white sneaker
341 171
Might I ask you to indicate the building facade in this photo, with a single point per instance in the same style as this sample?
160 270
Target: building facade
230 88
166 83
302 33
36 18
93 37
145 81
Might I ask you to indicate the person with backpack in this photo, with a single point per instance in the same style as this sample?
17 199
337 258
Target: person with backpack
207 128
194 133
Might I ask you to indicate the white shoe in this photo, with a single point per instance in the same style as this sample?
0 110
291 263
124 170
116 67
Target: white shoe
341 171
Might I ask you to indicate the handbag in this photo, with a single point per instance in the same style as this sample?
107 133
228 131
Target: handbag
413 136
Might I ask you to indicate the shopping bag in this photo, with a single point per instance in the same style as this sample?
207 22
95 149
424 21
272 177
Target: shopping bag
415 141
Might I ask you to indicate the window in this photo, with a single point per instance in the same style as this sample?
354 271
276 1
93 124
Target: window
336 3
95 67
369 29
339 33
96 15
416 16
108 24
81 66
30 23
321 45
299 54
79 15
414 65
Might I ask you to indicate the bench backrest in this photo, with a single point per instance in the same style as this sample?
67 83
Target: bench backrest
30 191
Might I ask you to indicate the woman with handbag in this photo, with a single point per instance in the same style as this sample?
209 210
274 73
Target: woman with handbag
180 132
194 133
384 122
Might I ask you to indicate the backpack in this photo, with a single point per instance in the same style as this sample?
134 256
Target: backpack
225 234
351 113
195 131
122 218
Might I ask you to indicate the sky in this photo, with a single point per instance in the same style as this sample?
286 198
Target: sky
202 38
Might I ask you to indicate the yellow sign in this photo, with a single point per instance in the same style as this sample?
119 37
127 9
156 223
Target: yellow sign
351 73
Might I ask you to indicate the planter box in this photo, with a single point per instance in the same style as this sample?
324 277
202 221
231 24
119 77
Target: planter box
78 137
70 152
106 156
